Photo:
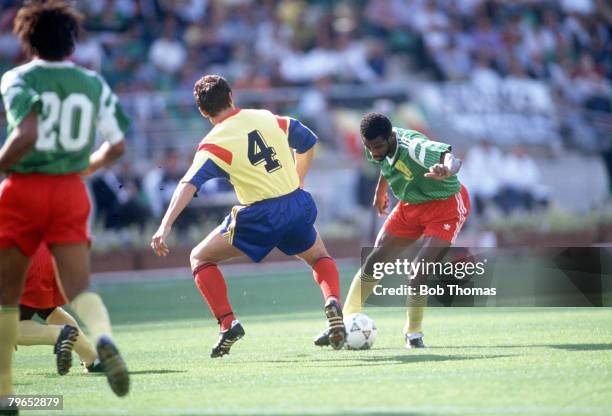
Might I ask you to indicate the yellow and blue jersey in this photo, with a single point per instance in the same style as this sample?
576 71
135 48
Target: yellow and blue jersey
253 149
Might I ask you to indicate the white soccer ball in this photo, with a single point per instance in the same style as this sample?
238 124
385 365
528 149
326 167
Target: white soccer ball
361 331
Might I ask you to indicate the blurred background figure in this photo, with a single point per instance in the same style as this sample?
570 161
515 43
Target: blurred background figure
118 198
521 183
168 54
160 182
482 174
159 185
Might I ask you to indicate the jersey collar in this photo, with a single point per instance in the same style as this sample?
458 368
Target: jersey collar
230 114
53 64
391 160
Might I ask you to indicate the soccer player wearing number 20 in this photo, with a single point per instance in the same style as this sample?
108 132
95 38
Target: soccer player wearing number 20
53 110
254 150
433 204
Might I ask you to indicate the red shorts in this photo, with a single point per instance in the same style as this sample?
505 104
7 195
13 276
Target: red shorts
37 207
442 219
41 289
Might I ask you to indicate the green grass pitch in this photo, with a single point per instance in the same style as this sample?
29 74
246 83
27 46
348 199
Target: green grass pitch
479 361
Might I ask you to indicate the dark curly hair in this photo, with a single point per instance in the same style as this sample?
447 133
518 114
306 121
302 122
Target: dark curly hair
212 94
48 29
374 125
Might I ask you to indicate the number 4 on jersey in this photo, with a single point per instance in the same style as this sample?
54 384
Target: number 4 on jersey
259 152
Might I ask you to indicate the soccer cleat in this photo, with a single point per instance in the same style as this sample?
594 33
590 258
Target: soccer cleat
322 340
414 340
113 366
95 367
335 325
227 339
63 348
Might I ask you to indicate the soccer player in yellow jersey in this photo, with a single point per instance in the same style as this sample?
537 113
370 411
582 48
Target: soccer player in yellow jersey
254 149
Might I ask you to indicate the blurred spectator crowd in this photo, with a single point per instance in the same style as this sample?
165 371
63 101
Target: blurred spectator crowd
143 46
146 45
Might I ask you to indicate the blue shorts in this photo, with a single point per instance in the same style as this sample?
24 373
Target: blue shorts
286 222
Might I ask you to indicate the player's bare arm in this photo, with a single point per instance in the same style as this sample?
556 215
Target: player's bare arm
449 165
20 142
303 162
180 199
381 196
105 156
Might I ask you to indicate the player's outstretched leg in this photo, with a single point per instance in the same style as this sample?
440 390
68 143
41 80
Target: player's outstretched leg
432 250
73 270
62 337
34 333
211 284
361 287
414 321
325 273
90 308
209 280
63 348
388 247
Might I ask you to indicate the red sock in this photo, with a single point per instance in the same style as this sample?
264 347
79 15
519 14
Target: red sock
325 274
209 280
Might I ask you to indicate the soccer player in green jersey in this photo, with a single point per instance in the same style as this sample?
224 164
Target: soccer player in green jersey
53 109
433 205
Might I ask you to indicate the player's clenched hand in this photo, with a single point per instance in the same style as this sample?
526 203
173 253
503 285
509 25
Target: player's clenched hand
158 241
381 201
438 172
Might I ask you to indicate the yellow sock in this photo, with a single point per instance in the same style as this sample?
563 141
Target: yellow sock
91 310
361 287
9 319
33 333
82 346
414 314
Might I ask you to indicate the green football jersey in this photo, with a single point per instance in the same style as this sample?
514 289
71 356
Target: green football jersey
73 103
405 170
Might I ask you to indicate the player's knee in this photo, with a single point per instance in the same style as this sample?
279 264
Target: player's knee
322 252
193 259
197 258
314 254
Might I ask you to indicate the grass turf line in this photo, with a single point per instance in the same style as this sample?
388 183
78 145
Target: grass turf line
517 361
